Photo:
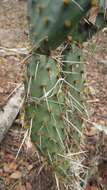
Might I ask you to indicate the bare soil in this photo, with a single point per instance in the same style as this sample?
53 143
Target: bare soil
95 53
13 34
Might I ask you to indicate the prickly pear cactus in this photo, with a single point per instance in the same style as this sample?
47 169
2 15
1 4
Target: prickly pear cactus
46 108
54 87
51 21
45 104
53 104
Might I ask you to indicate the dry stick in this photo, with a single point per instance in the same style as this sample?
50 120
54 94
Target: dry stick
10 111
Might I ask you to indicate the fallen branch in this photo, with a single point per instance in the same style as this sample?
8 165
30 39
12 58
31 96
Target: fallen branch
10 111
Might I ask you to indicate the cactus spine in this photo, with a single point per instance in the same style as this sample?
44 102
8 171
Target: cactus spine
54 87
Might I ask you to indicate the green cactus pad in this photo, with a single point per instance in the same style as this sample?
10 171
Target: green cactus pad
45 109
51 21
45 105
73 70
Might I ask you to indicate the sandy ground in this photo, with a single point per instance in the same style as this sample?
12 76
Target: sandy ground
13 34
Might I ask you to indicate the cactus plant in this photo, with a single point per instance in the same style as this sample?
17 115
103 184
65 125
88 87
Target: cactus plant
54 88
46 106
54 108
49 93
43 76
